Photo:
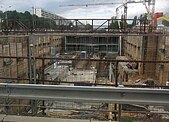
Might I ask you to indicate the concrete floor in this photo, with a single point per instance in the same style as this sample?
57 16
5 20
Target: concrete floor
81 76
11 118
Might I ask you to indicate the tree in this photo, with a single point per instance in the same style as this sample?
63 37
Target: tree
123 23
143 19
134 23
166 23
114 24
19 20
88 26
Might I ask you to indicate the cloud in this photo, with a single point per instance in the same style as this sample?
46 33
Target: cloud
105 11
90 12
162 5
109 11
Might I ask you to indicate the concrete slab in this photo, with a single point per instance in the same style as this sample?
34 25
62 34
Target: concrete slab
81 76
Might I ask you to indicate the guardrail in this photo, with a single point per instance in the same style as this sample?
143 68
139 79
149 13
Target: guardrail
85 94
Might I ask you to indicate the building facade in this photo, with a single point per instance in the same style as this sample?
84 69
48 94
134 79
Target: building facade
46 14
93 45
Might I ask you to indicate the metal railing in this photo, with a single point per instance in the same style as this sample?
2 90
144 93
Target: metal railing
76 26
32 63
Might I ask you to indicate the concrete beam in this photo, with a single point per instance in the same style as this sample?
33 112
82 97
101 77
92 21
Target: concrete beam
85 94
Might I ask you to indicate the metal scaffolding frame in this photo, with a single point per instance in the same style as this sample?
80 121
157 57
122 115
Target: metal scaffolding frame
117 95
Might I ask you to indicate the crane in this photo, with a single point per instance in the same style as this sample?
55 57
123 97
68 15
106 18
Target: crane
150 9
90 4
128 2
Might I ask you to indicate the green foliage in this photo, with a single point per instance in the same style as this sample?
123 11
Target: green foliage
114 25
166 23
144 19
88 26
19 20
134 21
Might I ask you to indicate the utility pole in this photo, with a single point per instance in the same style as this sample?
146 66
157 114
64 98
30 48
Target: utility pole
32 70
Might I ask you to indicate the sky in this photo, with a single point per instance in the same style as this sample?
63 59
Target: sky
98 12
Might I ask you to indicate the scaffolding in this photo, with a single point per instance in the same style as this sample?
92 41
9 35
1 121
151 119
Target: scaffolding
54 59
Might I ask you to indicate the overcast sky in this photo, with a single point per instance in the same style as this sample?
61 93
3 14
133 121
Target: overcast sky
104 11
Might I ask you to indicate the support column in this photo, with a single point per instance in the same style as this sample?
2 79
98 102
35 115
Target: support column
32 70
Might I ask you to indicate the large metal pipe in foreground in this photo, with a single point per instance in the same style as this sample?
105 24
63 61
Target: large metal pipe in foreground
85 94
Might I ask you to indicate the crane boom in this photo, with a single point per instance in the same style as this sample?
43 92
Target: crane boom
150 9
125 6
108 3
91 4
